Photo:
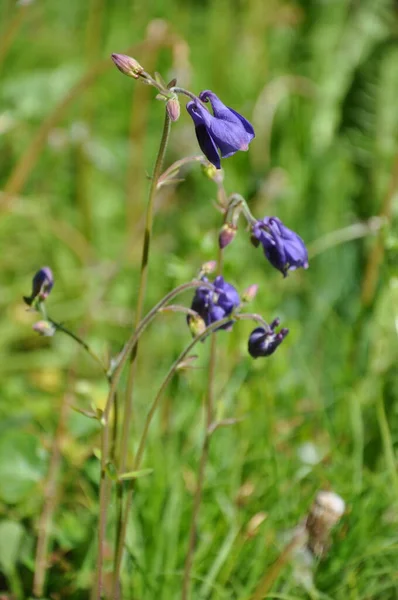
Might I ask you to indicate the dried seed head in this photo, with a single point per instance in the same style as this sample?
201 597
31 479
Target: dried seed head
326 511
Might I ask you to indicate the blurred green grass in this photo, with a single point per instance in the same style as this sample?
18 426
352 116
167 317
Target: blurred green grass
319 82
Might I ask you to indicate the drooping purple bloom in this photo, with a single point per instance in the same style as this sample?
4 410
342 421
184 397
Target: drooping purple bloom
284 248
263 342
217 303
224 131
42 284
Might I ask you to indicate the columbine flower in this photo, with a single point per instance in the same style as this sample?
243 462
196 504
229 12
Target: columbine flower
225 131
42 284
217 303
263 342
284 249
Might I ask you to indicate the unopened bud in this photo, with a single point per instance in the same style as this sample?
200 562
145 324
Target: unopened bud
209 171
42 284
208 267
127 65
250 293
227 235
196 325
44 328
173 108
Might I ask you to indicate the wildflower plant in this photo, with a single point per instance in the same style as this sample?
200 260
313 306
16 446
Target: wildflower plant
216 305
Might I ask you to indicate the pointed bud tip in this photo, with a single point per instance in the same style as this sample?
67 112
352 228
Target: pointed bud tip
127 65
250 293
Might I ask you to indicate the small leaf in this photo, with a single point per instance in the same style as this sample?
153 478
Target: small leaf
134 474
11 534
87 413
111 471
172 83
22 465
159 79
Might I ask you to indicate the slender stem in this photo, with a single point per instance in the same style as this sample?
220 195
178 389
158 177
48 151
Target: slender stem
50 499
180 90
203 458
387 441
114 379
7 36
144 435
273 573
82 343
141 290
103 506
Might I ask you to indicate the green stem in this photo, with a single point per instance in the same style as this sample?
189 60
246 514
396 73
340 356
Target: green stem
180 90
114 378
203 458
141 290
144 435
387 441
82 343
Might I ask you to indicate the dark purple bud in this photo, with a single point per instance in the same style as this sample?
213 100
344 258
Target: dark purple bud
264 342
284 248
127 65
215 304
227 235
42 284
226 131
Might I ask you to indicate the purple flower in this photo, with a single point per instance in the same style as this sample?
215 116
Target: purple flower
263 342
225 131
284 249
217 303
42 285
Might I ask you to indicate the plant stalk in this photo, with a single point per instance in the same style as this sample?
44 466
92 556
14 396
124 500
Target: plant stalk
141 291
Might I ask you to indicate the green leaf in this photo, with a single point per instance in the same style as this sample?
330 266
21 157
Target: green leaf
22 465
11 534
135 474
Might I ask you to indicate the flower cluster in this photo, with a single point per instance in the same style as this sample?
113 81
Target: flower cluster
214 303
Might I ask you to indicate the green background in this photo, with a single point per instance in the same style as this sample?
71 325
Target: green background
319 82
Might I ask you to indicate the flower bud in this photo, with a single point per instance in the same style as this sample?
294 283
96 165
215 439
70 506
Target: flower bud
127 65
227 235
173 108
196 325
42 284
210 171
44 328
250 293
208 267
